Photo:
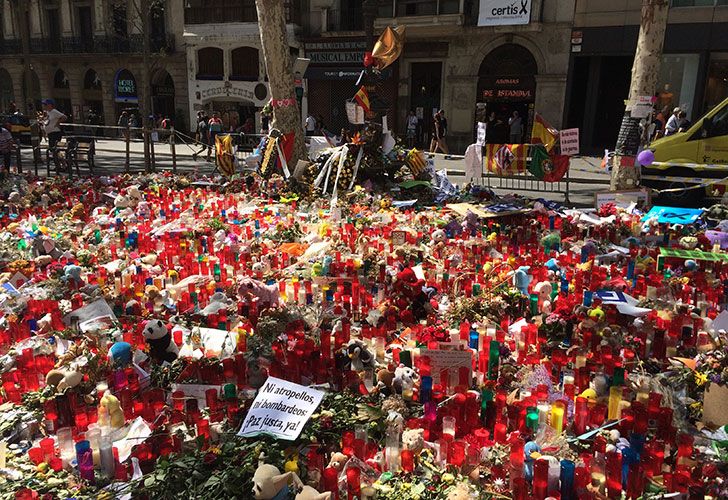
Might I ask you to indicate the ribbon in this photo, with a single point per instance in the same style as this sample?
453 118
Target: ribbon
524 7
356 167
342 160
283 103
284 163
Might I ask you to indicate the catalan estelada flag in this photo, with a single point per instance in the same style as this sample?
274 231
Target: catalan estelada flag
543 133
362 99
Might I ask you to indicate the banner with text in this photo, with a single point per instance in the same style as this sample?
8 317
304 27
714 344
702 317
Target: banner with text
569 141
504 12
281 409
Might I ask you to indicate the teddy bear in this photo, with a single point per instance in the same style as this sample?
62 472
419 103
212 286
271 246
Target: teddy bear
110 412
521 279
404 378
161 346
413 440
72 275
218 302
385 378
338 461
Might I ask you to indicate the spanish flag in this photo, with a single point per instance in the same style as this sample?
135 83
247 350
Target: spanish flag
543 133
362 99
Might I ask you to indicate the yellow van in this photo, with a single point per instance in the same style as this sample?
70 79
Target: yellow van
692 158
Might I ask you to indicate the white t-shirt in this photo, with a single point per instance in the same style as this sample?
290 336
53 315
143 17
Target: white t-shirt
52 123
310 123
412 122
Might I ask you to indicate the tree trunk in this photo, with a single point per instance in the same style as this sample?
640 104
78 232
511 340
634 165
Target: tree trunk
645 71
273 38
20 7
146 108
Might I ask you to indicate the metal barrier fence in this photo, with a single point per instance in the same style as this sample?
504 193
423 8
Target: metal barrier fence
528 183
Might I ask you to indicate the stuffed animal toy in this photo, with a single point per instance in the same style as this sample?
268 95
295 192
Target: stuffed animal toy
62 378
270 484
413 440
218 302
385 378
543 289
338 461
521 279
72 275
360 358
161 346
249 288
120 354
133 308
308 493
110 412
532 452
439 236
404 378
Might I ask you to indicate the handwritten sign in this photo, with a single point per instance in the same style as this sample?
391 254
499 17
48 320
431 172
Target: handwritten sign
281 409
441 359
622 199
569 141
673 215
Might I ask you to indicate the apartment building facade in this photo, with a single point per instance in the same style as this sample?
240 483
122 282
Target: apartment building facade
88 55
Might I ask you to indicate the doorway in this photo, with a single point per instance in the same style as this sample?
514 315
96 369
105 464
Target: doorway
507 84
426 91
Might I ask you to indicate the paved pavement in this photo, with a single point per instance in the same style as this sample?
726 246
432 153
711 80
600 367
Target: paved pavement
110 155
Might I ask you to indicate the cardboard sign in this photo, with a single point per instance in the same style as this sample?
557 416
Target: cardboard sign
452 361
569 141
480 140
640 108
715 405
281 409
673 215
622 199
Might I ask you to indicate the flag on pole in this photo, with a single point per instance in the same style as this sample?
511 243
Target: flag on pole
543 133
362 98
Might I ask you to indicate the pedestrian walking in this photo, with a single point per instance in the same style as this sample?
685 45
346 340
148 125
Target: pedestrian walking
214 127
123 122
203 134
673 123
310 125
439 131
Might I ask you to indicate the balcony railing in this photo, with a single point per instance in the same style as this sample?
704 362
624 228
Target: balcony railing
226 11
10 46
411 8
133 44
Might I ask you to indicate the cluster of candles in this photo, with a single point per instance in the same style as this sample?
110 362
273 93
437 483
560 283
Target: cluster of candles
464 413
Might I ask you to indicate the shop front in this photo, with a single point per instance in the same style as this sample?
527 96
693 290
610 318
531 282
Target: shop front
693 76
507 85
125 92
331 79
235 101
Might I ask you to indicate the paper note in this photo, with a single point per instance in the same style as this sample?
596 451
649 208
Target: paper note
281 409
452 361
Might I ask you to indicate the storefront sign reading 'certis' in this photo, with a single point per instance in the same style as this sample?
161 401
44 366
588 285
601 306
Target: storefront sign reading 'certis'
227 91
504 12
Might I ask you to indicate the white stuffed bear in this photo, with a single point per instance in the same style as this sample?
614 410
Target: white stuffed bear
413 440
543 289
404 378
439 236
161 346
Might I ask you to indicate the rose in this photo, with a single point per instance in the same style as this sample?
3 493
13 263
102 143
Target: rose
209 458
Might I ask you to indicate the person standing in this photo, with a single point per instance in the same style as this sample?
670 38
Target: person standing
214 127
123 122
7 145
516 125
673 123
310 125
412 124
52 122
439 132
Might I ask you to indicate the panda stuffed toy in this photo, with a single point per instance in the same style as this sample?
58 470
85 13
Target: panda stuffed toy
161 346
